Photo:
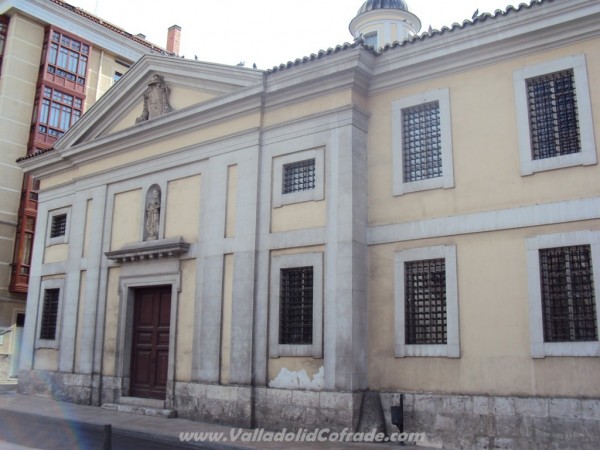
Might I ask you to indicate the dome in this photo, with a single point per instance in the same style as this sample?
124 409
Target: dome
370 5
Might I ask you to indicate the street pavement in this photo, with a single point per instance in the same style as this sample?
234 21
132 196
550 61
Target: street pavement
162 431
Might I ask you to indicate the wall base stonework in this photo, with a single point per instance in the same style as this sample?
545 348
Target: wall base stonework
482 422
65 387
4 367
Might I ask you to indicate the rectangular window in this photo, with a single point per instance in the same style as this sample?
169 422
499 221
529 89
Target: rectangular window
67 57
296 306
59 225
422 142
564 307
553 115
298 176
371 39
58 111
49 314
568 300
425 302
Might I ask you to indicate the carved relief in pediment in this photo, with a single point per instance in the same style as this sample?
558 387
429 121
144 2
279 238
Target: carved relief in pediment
156 99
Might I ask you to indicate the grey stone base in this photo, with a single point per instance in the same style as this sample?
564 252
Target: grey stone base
142 410
66 387
4 367
482 423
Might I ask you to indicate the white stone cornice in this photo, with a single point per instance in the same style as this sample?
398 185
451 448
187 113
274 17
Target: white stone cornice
530 30
91 31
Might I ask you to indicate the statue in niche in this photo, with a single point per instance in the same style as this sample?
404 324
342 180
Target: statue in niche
153 213
156 99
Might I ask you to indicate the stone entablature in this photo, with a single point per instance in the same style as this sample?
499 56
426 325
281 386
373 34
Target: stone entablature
149 250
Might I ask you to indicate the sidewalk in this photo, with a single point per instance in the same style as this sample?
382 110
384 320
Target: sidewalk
159 429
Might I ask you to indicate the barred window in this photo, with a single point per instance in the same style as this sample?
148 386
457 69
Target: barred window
568 300
422 142
553 116
371 39
299 176
425 301
59 225
296 306
49 314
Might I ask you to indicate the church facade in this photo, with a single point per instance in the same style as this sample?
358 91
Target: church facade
263 249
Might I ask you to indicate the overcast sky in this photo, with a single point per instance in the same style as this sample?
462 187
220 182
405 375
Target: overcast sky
265 32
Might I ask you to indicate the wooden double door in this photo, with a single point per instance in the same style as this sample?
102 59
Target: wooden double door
150 342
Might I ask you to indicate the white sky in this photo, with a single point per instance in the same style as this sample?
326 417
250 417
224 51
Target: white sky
265 32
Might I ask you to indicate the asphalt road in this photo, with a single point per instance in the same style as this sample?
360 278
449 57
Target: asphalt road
40 432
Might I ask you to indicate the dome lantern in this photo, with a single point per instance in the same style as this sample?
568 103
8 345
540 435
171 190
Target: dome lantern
382 22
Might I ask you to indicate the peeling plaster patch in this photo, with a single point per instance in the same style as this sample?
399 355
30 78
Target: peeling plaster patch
298 380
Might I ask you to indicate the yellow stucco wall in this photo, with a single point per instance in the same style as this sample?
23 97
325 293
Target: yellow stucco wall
45 359
311 214
102 66
127 219
274 116
185 321
56 253
183 208
494 324
486 155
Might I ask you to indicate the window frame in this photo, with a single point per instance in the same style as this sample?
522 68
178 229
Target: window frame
63 239
452 347
587 155
314 350
46 105
315 194
58 283
68 49
446 181
540 348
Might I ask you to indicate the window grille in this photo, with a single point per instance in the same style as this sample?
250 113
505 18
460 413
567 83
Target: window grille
568 300
296 306
425 301
299 176
49 314
59 225
553 117
371 39
422 142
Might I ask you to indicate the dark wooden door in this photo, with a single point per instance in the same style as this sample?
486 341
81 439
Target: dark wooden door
150 346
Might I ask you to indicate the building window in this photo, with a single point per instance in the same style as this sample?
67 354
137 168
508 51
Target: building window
299 177
3 35
59 226
568 301
49 314
67 57
426 302
296 305
554 115
422 142
117 76
58 112
371 39
563 301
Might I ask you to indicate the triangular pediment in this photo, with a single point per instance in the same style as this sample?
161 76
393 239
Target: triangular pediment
188 83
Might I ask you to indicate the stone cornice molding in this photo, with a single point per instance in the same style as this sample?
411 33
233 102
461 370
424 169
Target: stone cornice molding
101 36
149 250
527 31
